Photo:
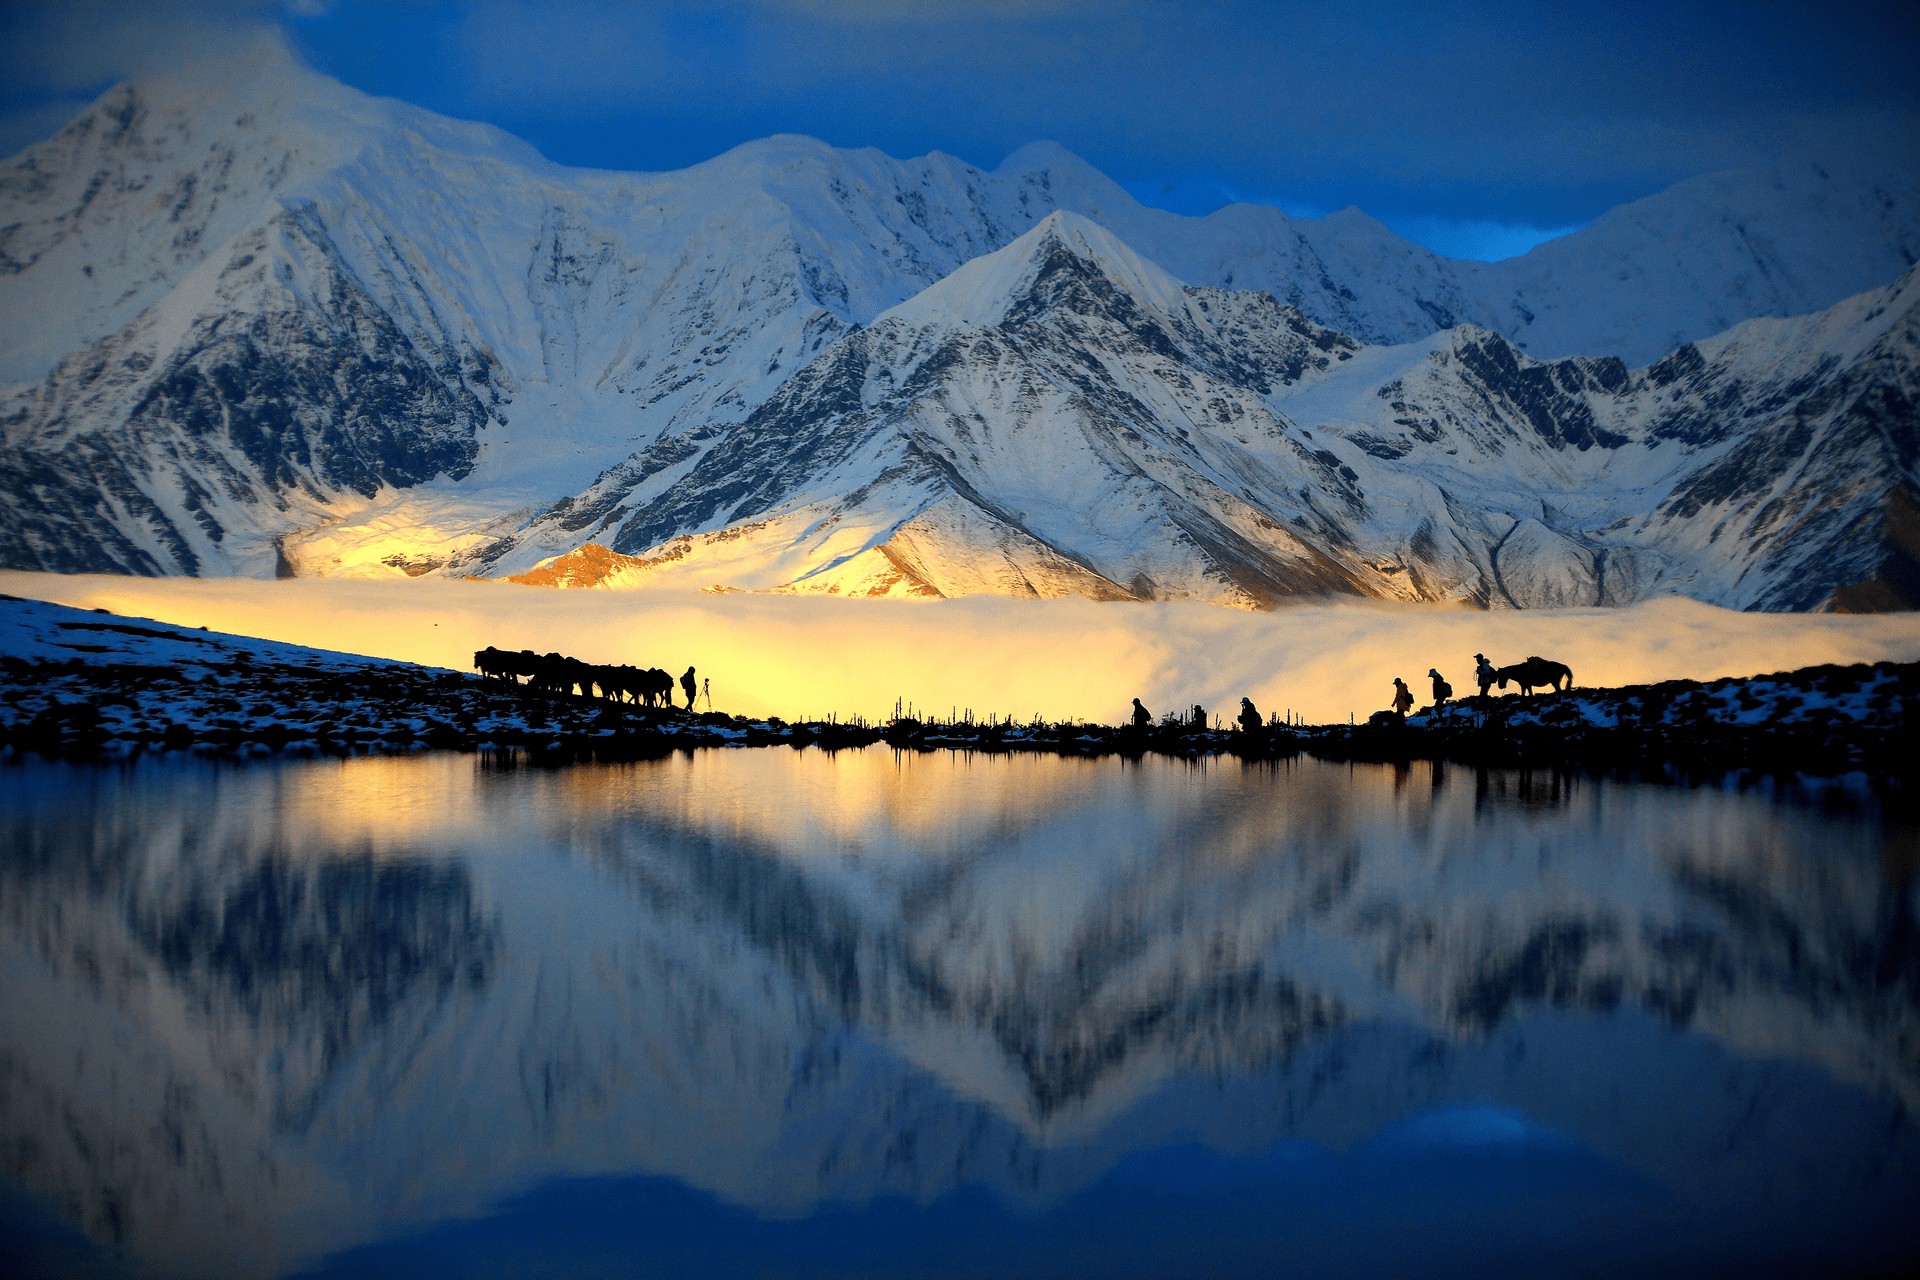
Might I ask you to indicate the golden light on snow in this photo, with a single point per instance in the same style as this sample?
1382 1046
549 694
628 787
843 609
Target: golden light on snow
806 656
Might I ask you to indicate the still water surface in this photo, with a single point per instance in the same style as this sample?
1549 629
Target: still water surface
788 1013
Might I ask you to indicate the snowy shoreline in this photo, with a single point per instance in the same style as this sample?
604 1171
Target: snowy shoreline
85 684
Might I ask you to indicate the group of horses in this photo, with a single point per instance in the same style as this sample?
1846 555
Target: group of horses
554 673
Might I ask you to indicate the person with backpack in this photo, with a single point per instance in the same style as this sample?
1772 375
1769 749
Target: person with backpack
1484 673
1441 689
1402 700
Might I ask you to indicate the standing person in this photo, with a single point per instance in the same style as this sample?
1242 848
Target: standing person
1484 673
1249 716
1402 699
1141 716
687 683
1441 689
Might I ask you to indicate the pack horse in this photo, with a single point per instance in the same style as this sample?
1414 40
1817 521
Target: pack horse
1536 673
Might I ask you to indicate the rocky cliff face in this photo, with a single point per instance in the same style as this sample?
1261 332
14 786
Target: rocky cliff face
195 429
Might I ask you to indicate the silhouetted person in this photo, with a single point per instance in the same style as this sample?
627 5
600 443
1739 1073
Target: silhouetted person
1199 718
1249 716
688 683
1141 716
1441 689
1484 673
1402 699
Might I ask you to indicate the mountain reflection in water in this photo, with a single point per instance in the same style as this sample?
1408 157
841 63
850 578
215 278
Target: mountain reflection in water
256 1016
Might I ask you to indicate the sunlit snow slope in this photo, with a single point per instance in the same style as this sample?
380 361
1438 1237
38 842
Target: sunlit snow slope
254 322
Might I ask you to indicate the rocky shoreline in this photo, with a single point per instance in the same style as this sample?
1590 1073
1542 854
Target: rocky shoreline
92 686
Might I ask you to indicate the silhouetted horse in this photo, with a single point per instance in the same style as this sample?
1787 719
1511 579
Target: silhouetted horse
624 683
499 664
1535 673
609 681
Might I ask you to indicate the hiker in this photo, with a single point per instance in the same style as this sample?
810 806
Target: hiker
1484 673
688 683
1249 716
1402 700
1441 689
1141 716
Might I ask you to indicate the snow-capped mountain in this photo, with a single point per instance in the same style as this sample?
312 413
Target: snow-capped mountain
256 322
1062 416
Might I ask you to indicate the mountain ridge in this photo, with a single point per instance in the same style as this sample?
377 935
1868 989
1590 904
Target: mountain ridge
1063 416
464 347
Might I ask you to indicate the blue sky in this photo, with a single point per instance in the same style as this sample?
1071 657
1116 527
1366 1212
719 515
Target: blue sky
1476 129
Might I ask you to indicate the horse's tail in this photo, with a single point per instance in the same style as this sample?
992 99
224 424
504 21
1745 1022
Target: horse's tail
1569 671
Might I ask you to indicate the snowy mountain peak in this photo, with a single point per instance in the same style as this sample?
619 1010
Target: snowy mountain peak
1032 272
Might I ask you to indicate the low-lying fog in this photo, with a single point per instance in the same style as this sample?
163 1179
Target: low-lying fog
794 656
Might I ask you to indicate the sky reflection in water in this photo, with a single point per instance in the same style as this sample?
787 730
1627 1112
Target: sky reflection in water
779 1012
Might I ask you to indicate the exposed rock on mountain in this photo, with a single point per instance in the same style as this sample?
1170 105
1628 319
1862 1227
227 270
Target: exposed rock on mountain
1897 584
591 566
286 387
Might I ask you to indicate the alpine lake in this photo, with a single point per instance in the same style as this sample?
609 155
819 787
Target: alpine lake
791 1012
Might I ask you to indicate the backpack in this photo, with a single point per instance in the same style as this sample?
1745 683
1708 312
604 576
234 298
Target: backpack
1446 690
